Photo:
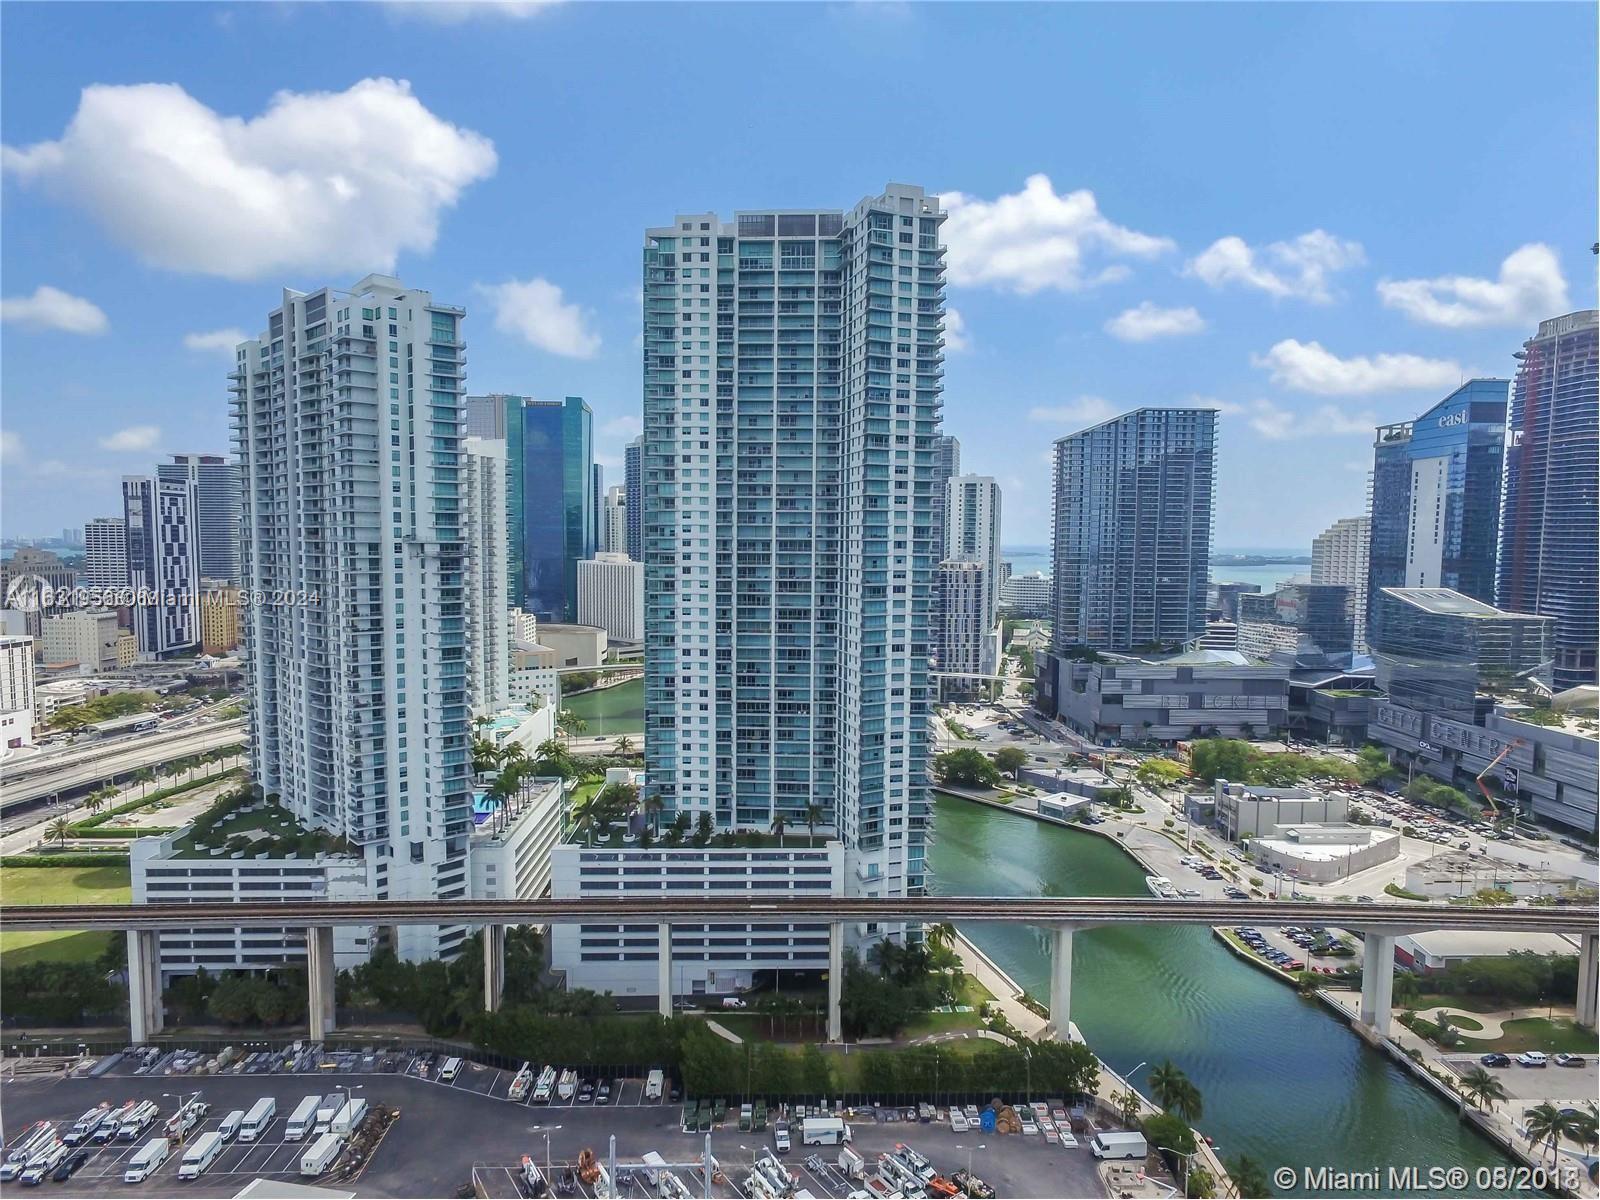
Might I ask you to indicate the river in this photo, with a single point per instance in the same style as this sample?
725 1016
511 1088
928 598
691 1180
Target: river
1283 1081
611 710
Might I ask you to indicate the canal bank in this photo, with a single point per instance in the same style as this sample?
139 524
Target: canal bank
1284 1082
612 710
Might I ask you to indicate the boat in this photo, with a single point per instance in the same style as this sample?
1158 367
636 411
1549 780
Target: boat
1161 887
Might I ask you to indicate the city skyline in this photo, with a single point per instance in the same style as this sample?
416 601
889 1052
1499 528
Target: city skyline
1308 324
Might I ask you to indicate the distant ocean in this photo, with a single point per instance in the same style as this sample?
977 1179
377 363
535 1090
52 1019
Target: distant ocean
1037 558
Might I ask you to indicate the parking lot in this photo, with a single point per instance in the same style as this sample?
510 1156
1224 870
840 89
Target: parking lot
1527 1086
447 1133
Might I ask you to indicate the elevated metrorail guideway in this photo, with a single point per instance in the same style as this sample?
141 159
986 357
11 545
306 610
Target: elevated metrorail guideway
1080 911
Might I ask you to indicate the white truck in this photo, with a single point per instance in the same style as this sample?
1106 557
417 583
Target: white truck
545 1086
1119 1144
654 1084
144 1163
823 1131
303 1120
348 1119
451 1068
186 1118
568 1084
85 1125
329 1108
319 1156
520 1084
197 1159
137 1120
44 1161
258 1118
107 1130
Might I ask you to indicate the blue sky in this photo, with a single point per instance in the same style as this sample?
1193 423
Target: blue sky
1316 217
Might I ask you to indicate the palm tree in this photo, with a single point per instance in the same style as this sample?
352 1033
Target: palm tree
1248 1177
555 759
58 829
778 824
1128 1105
942 934
1547 1123
1479 1086
624 744
1187 1103
1166 1082
653 805
814 813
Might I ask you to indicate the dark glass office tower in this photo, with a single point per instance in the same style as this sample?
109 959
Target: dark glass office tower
554 463
1436 495
1133 505
1549 556
633 497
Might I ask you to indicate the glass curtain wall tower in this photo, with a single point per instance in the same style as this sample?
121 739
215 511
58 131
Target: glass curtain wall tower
793 370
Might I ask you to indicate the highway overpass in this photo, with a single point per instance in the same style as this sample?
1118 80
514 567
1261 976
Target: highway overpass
91 764
1379 925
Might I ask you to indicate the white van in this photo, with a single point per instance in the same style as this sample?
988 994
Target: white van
348 1119
320 1154
654 1084
229 1129
303 1119
451 1068
1119 1144
197 1159
143 1164
257 1119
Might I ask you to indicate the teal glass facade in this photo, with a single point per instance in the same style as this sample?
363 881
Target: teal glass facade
552 466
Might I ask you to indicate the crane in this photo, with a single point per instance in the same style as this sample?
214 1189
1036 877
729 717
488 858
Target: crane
1482 787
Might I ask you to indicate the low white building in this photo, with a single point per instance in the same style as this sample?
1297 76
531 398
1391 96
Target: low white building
1324 853
16 693
706 960
512 841
525 725
611 595
1246 811
581 646
533 678
82 638
1026 595
1443 948
165 872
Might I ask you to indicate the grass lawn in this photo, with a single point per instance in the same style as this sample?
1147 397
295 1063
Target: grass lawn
1541 1033
971 993
1465 1024
1427 1004
60 885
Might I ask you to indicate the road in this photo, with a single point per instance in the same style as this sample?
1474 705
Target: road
92 764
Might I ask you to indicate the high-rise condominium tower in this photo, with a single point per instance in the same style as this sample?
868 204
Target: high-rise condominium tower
216 490
966 638
163 563
1339 558
1133 505
1549 556
1435 506
792 379
633 492
483 502
947 465
613 523
347 421
105 553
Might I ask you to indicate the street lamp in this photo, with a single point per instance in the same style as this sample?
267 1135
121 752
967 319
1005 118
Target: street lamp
1188 1162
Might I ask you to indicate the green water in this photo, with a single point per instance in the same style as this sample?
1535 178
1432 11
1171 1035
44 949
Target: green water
1283 1080
617 709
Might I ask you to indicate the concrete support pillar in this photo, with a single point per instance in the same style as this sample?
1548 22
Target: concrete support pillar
1377 983
494 966
835 981
319 981
1061 983
664 995
145 1013
1588 978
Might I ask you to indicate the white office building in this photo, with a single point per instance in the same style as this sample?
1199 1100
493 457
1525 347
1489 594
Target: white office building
16 693
163 564
1026 595
359 708
974 531
611 595
1339 557
965 641
105 553
614 522
483 501
83 638
532 678
706 959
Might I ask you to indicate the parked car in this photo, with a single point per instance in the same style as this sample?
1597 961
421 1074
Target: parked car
1496 1060
1533 1058
1571 1060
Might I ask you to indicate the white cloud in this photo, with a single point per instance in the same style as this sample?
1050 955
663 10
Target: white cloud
1148 321
1280 424
321 181
534 311
1085 410
10 447
459 12
1035 239
217 341
134 437
956 339
51 308
1298 268
623 427
1307 367
1530 288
